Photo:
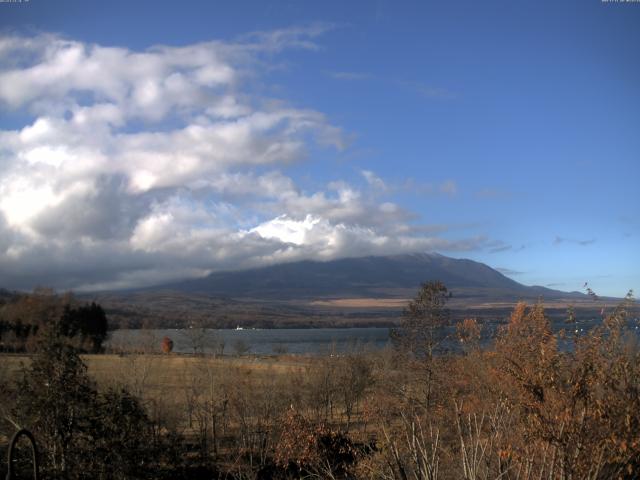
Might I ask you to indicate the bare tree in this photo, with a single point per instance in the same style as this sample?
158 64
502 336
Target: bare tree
354 378
201 338
241 347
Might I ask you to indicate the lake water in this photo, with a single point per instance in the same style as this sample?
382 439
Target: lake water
303 340
257 342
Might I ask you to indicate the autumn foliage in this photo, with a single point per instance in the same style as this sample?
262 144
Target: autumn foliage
528 403
521 407
166 345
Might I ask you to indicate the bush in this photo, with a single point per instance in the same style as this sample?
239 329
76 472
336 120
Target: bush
81 433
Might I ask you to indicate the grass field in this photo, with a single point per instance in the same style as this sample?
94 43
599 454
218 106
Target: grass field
166 371
242 413
172 385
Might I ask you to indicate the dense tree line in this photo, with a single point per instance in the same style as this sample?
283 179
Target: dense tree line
24 317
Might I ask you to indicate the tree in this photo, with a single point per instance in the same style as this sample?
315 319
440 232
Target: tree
82 433
355 375
201 338
121 437
56 398
167 345
416 337
580 405
469 334
422 317
241 347
88 323
25 316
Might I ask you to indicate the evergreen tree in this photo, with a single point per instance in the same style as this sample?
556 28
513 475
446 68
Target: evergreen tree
56 399
81 433
87 324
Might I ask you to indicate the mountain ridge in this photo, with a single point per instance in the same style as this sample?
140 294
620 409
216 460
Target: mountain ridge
360 276
348 292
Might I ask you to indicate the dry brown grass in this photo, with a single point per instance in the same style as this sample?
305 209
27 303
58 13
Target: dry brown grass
520 408
166 373
468 303
361 303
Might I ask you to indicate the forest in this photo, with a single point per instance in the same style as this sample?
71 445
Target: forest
24 318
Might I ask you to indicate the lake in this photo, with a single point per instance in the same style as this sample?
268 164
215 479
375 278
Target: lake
256 342
303 340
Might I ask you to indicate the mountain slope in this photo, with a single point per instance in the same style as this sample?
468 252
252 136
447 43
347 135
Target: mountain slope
366 276
351 292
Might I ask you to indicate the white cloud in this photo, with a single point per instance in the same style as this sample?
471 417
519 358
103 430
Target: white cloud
320 238
287 230
374 180
138 167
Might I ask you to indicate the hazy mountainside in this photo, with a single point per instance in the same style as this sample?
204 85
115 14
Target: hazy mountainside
366 291
389 276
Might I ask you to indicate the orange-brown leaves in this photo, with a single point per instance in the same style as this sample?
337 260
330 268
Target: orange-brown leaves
468 332
167 345
313 449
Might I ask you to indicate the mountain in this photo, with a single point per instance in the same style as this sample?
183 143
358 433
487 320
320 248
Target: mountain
350 292
381 277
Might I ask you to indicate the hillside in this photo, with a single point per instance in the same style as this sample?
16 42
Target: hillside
380 277
367 291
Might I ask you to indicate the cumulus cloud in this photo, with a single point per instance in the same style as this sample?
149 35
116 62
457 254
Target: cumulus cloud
140 167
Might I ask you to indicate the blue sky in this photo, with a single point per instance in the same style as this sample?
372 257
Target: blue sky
505 132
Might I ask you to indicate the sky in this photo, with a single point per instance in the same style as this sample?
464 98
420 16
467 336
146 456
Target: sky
146 142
